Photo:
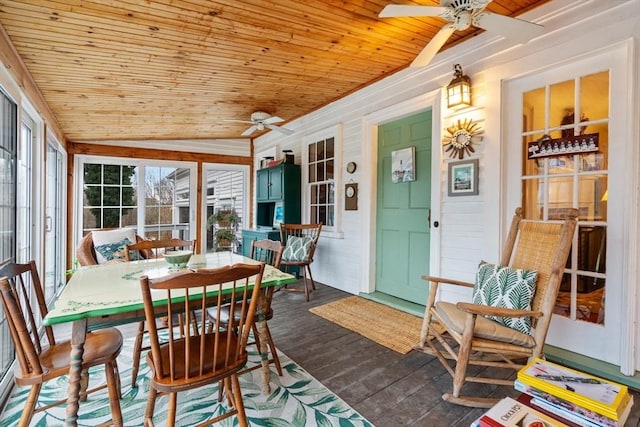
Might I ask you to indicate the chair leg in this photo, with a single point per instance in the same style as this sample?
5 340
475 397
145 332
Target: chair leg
313 283
137 349
113 384
220 390
29 406
151 406
306 288
272 348
171 411
238 403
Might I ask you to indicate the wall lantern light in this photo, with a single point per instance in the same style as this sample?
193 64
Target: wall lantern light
459 90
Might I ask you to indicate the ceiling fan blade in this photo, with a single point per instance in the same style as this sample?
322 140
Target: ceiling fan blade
395 10
280 129
249 131
511 28
433 47
272 120
237 121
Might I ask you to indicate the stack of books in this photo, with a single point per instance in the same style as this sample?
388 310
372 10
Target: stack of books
512 413
575 396
555 395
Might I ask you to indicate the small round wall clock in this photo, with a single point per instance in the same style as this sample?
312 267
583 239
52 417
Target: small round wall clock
461 138
351 167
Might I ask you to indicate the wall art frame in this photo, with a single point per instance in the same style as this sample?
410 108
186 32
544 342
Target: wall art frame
403 165
463 178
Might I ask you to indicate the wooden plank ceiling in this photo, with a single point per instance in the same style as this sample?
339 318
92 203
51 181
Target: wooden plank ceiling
166 69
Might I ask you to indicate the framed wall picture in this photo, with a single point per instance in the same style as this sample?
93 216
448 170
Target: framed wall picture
463 178
402 165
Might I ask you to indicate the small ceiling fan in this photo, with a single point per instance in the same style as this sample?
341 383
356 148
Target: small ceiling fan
261 120
463 14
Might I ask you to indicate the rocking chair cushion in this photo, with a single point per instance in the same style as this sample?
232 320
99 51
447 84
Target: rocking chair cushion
499 286
454 319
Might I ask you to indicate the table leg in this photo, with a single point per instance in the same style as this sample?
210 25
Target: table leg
78 334
264 352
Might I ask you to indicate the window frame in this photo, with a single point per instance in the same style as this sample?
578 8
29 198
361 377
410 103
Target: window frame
141 164
334 132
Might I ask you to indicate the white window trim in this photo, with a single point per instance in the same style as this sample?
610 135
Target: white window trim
334 132
80 160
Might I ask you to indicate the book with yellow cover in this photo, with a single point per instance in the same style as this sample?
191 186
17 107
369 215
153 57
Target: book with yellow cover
588 391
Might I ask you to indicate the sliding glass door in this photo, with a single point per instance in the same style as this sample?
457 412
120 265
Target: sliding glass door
55 230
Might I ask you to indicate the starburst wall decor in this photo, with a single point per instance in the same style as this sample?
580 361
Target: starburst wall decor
461 138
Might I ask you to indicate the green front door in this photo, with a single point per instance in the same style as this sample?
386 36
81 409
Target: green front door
403 207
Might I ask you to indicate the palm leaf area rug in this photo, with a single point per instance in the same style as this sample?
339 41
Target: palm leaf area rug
296 399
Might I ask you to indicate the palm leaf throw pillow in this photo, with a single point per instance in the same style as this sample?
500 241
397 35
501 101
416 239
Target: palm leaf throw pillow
499 286
297 248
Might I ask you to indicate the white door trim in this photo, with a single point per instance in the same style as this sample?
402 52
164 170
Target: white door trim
370 124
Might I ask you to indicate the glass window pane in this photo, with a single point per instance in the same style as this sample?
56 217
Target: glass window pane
321 153
329 169
314 194
312 173
111 174
313 157
322 214
590 193
562 106
322 196
533 107
111 196
329 150
92 173
320 176
594 96
129 217
532 198
92 195
111 217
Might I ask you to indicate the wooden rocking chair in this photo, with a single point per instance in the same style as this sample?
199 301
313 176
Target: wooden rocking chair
462 334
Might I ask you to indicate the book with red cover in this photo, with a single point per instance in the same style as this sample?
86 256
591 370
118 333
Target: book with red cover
509 412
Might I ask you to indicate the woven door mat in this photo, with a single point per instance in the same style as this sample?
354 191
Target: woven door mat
387 326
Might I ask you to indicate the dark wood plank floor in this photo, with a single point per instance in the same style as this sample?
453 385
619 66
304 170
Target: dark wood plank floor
386 387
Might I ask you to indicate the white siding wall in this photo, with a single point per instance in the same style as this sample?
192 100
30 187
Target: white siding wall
472 227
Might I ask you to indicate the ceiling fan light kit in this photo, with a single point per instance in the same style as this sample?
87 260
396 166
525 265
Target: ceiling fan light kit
461 15
459 89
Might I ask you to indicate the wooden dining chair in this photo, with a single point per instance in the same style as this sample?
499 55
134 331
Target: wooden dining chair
300 242
269 252
188 361
40 356
150 249
513 301
154 249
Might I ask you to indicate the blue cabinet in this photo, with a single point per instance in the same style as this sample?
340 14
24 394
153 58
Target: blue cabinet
249 235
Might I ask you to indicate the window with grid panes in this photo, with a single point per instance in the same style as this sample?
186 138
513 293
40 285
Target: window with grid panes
321 164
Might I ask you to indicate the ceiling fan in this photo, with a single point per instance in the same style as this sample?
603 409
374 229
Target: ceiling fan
463 14
261 120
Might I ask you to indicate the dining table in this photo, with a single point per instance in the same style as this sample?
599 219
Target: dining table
106 295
